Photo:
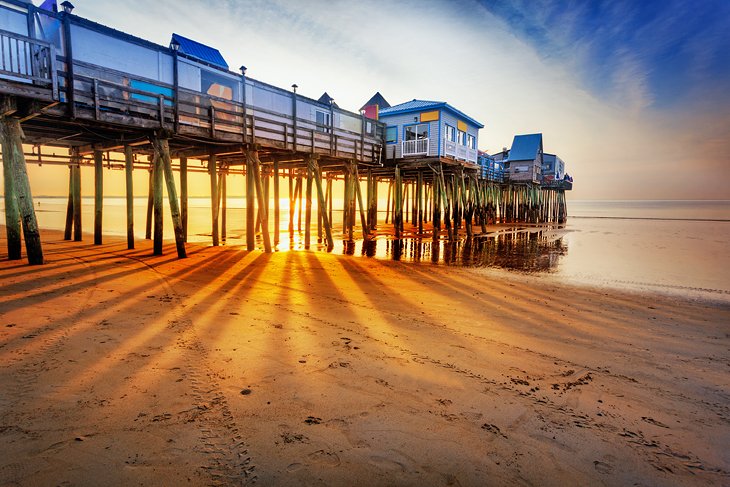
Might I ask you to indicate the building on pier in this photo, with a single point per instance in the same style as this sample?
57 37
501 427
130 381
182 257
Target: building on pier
429 129
525 159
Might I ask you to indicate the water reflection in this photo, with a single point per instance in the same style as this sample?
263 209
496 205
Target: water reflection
526 251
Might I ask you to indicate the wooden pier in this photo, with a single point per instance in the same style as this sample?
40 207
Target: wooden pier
58 94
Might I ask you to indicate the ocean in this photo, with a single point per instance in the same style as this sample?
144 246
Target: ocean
671 247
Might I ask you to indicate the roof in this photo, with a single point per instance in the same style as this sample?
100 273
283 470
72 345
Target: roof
327 100
200 51
525 147
377 99
420 105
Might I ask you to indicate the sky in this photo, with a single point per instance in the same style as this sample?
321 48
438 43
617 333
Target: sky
632 95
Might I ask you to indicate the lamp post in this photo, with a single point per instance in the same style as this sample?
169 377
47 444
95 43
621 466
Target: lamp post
67 7
294 112
243 98
175 48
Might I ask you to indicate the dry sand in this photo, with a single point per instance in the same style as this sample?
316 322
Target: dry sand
304 368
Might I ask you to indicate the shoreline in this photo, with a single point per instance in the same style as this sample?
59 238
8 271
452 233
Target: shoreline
308 368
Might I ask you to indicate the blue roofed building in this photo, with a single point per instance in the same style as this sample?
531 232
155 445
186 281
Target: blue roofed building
429 129
199 51
525 159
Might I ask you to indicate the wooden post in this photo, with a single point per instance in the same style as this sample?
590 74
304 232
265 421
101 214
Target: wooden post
213 174
292 203
299 198
253 155
345 201
150 202
184 196
308 217
436 211
387 201
419 201
445 197
128 184
314 167
250 205
157 177
224 202
276 203
320 210
363 220
69 206
329 200
162 148
12 211
98 195
76 170
12 144
397 204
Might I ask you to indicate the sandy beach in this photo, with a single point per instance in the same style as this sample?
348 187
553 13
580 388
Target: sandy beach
307 368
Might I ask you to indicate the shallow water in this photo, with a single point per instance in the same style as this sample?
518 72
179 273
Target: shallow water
677 247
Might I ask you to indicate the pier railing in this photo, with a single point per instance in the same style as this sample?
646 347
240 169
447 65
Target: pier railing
27 60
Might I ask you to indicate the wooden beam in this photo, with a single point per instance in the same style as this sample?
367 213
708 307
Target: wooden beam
213 173
358 192
327 223
12 145
250 205
98 195
308 216
184 196
163 155
157 177
150 203
253 155
68 229
276 203
129 186
76 168
12 212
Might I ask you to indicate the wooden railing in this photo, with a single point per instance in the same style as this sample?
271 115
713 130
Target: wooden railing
28 60
415 147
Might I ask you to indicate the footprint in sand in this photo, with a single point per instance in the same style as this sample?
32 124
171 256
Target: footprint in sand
326 458
603 467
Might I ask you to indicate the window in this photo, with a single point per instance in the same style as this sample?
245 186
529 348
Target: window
462 138
416 132
471 141
323 121
391 135
450 133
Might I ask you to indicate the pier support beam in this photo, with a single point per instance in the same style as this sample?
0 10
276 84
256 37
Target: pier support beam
252 161
129 186
184 196
250 206
76 171
98 195
157 204
358 193
21 201
276 203
308 213
68 229
313 166
213 173
150 202
162 151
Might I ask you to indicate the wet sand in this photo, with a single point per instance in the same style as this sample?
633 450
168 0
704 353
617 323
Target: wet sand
307 368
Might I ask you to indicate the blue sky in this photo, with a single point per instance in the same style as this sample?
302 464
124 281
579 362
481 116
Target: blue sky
631 94
666 53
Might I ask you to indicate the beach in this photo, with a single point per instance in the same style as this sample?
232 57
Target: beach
307 368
